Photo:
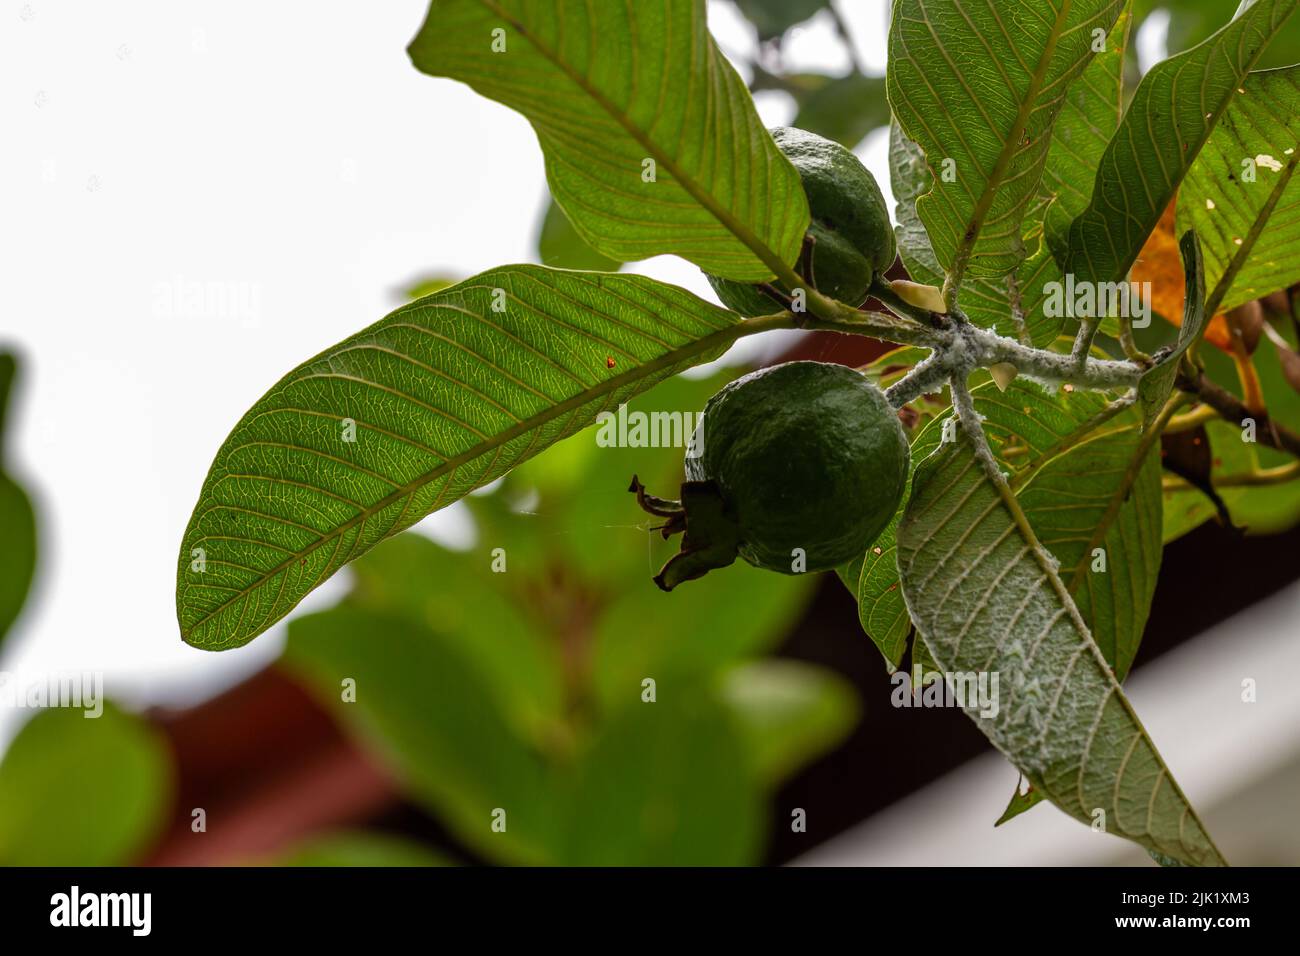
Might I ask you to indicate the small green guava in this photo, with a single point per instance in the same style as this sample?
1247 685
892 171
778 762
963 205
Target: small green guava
794 468
852 238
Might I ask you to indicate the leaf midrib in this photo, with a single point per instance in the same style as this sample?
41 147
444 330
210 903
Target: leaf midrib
755 245
1009 149
612 384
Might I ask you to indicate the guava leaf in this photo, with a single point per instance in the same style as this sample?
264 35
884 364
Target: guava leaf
990 302
1248 217
1064 482
788 713
722 195
1019 803
427 711
18 555
1089 117
439 398
82 791
978 87
985 599
1157 382
560 247
1169 119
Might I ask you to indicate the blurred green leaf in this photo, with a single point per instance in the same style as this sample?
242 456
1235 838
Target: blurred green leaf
427 285
82 791
665 784
845 109
771 18
359 848
789 713
1195 21
560 246
18 554
476 613
434 717
696 629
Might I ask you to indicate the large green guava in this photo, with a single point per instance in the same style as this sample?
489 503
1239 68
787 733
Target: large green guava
852 238
794 468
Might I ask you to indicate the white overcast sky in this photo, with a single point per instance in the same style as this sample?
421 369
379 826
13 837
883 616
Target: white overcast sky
284 153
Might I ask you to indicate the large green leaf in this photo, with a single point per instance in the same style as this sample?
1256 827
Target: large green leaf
988 301
441 397
82 791
1064 481
609 87
978 87
434 719
1169 119
1089 116
18 555
986 598
1248 218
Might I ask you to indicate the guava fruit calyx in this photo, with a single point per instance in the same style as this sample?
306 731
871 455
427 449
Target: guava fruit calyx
710 533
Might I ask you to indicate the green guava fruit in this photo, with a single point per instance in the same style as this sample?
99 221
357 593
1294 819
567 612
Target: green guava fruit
794 468
852 239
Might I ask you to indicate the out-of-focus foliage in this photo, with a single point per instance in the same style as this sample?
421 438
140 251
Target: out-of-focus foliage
17 519
77 790
545 701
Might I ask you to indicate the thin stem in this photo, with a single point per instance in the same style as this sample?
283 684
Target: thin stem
877 325
1083 341
1188 421
921 380
1232 409
842 29
1127 343
1263 476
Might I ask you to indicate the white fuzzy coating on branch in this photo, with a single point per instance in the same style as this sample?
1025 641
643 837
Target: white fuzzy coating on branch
927 376
1052 368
